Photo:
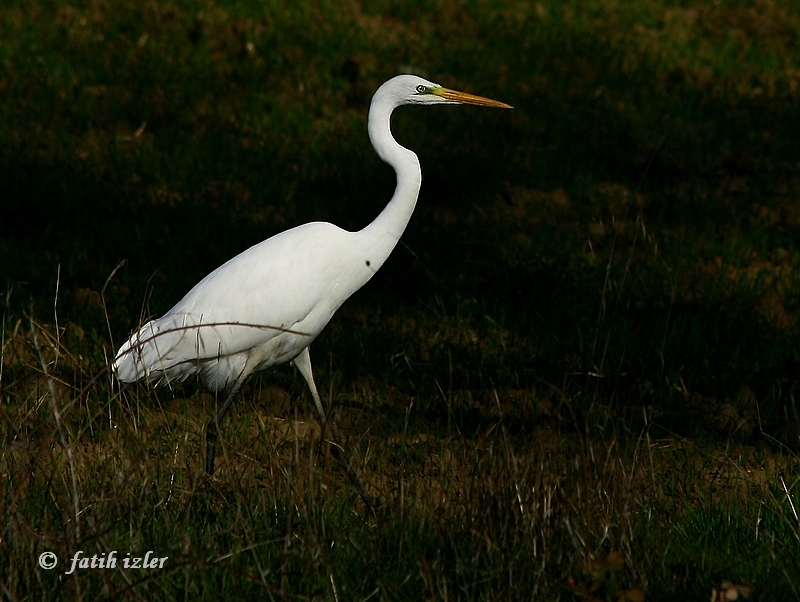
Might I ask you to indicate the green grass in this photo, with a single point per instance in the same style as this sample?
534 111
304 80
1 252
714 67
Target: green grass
576 378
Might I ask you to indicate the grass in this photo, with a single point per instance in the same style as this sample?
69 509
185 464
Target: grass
575 379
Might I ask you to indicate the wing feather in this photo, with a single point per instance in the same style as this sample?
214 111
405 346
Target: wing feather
286 285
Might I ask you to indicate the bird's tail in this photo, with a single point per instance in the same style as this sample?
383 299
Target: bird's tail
150 353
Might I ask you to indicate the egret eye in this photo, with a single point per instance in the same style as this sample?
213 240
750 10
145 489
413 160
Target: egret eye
421 89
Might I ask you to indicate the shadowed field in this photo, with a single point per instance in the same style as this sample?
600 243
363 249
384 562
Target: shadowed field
575 378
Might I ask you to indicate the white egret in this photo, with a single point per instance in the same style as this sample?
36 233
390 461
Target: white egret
267 305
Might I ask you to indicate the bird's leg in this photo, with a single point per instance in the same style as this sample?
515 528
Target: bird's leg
303 363
212 429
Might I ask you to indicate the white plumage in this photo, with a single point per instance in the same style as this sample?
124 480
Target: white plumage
261 308
266 306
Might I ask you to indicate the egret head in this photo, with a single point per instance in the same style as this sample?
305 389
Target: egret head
411 89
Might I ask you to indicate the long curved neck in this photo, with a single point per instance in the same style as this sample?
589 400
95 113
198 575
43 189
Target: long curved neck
385 231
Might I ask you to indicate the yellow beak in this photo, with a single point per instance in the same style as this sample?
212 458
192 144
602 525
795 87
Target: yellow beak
469 99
